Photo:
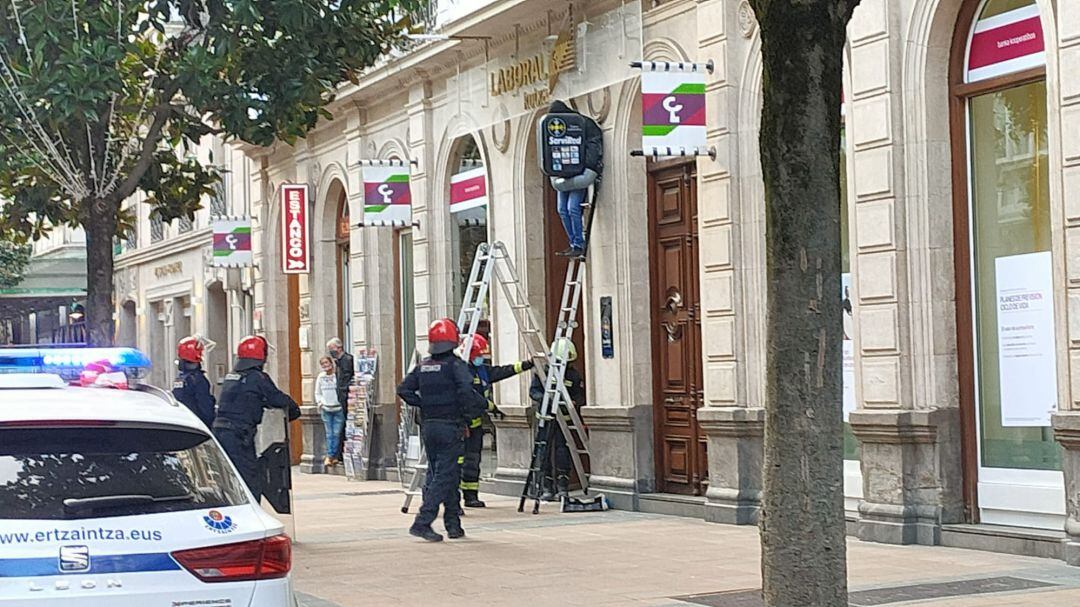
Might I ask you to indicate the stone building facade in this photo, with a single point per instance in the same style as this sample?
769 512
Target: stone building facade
961 159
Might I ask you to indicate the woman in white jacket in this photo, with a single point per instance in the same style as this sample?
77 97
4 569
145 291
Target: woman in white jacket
330 410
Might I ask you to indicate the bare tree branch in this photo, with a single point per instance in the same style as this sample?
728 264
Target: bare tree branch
161 114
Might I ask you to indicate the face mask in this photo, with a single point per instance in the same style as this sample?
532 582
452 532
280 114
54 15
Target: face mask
478 361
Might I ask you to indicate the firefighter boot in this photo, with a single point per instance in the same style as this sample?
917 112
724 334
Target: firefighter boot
548 495
472 500
455 532
426 533
562 485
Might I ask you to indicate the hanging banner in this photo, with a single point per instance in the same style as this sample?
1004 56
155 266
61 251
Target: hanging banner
673 109
232 242
1006 43
1027 355
468 190
295 230
387 196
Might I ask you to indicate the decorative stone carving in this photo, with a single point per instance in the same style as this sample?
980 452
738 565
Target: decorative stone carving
500 131
599 104
747 19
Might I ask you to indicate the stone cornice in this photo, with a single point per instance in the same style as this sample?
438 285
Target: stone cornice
614 419
1067 429
732 422
898 427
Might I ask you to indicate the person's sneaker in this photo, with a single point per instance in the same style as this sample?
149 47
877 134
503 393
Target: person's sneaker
576 253
565 252
547 496
426 533
455 533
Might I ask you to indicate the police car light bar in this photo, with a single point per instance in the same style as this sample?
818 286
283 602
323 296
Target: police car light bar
69 363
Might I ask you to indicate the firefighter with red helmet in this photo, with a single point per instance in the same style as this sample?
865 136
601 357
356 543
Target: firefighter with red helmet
244 394
191 386
441 387
484 375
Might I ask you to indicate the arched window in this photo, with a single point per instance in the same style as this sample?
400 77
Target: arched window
342 232
468 210
1002 240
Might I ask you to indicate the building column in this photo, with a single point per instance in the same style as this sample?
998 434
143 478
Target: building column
1064 92
907 418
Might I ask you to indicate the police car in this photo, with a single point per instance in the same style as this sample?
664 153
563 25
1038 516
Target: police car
113 495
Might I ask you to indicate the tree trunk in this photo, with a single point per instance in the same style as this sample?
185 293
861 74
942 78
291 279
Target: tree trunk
100 227
802 522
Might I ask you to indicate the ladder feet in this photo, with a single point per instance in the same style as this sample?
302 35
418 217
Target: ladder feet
404 509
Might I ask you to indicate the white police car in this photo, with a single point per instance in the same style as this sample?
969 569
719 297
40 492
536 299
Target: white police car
117 497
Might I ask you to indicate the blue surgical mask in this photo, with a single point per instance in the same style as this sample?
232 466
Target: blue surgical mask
478 361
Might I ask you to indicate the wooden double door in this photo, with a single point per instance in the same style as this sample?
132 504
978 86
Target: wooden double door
680 447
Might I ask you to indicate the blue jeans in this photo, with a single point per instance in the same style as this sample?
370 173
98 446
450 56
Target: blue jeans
570 212
334 423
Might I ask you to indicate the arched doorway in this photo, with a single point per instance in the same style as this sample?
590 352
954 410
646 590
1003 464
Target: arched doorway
344 282
468 210
1006 349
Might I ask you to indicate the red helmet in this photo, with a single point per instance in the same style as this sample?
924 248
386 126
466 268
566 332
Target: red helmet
252 346
480 348
443 336
190 349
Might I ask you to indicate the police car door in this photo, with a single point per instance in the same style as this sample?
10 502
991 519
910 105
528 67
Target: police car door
275 459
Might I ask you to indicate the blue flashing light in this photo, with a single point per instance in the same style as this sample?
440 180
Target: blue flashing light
70 362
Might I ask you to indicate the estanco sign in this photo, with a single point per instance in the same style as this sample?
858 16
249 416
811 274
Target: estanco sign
295 227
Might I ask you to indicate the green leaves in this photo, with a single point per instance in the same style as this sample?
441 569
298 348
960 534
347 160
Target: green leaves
14 259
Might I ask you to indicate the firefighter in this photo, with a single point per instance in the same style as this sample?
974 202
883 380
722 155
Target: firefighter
441 387
483 376
244 394
191 386
559 486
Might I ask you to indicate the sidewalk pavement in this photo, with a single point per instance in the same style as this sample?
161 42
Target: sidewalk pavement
353 549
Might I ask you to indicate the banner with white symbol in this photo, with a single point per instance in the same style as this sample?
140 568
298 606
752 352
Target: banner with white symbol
232 242
673 109
387 196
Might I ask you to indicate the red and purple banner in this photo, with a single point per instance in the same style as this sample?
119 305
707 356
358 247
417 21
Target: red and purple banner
387 196
673 110
468 190
295 230
1005 44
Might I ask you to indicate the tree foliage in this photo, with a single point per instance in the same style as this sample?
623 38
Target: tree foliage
14 260
100 99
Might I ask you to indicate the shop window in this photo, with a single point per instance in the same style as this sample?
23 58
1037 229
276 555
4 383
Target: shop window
407 307
1003 128
344 259
468 210
851 445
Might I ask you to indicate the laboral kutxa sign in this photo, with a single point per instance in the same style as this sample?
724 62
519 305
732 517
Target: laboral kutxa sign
295 230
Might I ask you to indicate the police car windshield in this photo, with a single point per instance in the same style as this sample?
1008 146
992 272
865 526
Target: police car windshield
93 472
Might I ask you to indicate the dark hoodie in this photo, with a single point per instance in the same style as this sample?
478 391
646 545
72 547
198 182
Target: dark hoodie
246 392
594 137
193 390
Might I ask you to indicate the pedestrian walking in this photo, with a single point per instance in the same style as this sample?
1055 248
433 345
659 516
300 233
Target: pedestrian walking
345 371
557 485
331 411
191 388
484 375
244 394
441 388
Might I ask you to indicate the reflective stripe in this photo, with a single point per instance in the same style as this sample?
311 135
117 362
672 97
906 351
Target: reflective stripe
466 486
476 423
112 563
461 459
518 367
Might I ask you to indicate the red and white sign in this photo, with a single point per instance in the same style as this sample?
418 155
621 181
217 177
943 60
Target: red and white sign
295 227
468 190
1005 44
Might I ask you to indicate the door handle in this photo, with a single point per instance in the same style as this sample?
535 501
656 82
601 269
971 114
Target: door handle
674 302
674 332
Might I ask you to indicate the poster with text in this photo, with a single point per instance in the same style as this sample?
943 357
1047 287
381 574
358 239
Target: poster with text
387 196
848 347
1027 359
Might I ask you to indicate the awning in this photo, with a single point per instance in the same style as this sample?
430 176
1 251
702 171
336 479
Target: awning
52 280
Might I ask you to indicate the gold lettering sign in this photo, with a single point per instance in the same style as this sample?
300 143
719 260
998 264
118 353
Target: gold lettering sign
537 69
176 267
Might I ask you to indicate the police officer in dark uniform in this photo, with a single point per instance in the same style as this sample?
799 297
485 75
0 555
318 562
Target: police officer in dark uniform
559 486
244 394
191 386
441 387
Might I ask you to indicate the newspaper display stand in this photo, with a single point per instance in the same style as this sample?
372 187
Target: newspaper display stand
356 452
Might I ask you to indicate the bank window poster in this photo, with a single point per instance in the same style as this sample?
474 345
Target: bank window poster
469 195
387 196
1027 356
232 242
1006 43
673 107
848 368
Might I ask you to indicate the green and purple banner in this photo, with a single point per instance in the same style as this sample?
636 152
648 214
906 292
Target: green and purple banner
232 242
387 197
673 108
